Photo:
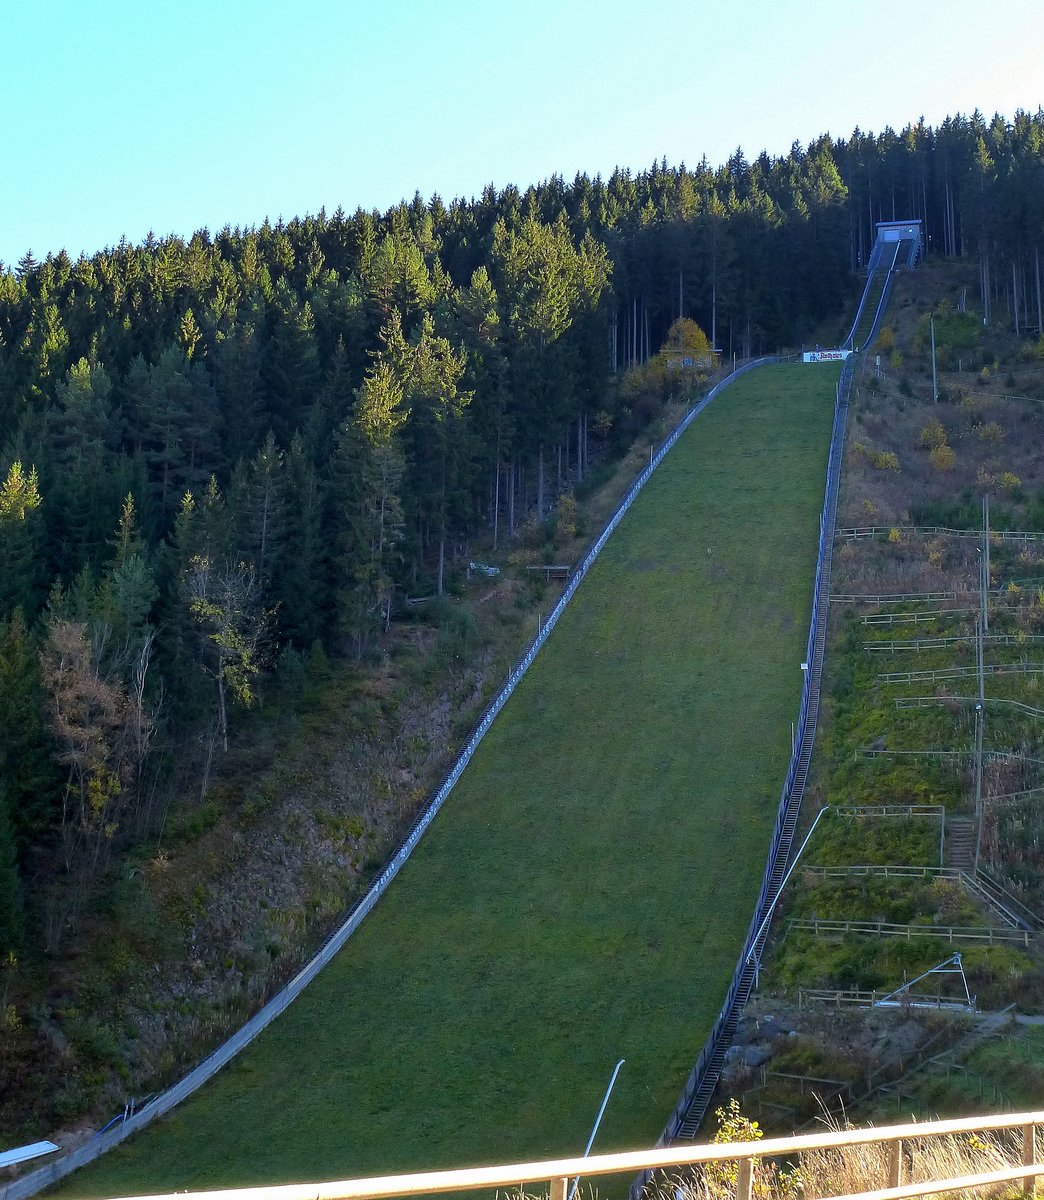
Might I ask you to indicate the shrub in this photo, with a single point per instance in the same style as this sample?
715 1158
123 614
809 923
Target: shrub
884 460
602 424
565 516
885 341
991 433
933 435
943 458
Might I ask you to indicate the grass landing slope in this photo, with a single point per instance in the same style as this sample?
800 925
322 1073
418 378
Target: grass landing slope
583 895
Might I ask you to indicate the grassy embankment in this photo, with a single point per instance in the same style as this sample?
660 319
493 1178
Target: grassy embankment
911 463
583 895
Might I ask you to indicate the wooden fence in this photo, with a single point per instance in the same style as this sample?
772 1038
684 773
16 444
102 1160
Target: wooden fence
901 645
892 598
1019 668
554 1176
947 933
864 532
915 618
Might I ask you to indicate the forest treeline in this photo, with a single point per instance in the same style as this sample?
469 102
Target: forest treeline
225 453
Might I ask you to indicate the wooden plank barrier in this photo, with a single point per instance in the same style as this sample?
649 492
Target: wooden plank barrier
555 1174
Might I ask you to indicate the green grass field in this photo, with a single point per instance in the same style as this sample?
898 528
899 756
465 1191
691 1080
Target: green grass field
584 892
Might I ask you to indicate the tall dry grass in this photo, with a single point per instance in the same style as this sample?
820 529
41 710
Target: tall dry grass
854 1169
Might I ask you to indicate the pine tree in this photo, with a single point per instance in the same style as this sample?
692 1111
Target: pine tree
300 584
367 477
237 366
430 373
21 538
291 371
10 897
27 773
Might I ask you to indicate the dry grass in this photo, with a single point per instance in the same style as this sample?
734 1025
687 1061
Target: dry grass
913 563
851 1170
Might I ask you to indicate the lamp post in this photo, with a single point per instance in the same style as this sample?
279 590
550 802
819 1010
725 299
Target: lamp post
598 1121
935 381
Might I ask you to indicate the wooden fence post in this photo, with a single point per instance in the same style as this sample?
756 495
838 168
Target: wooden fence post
745 1179
895 1163
559 1189
1029 1157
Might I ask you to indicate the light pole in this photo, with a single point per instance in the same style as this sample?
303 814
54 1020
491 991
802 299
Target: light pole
935 382
598 1121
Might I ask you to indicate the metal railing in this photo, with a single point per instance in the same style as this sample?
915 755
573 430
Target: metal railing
878 998
1019 1151
917 645
943 673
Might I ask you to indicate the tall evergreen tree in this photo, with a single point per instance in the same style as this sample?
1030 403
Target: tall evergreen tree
368 470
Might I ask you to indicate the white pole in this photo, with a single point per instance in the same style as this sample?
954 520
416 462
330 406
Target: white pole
775 898
598 1121
935 385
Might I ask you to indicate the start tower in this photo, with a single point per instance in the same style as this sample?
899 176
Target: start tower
910 238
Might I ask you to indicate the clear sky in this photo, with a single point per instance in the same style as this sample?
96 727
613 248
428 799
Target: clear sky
121 116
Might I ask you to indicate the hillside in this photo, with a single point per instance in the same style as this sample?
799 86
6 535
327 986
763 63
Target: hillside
930 846
243 476
483 1003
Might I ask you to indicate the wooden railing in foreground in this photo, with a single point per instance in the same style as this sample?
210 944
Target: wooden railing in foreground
558 1173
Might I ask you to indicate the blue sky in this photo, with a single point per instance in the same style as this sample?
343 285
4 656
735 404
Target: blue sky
121 117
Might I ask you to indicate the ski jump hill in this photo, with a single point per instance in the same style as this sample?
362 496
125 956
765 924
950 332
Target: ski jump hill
897 247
